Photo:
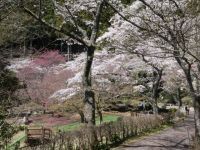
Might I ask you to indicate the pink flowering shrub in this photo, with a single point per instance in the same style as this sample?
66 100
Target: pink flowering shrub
41 85
49 58
42 79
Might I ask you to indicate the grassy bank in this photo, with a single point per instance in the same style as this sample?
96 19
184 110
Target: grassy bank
76 125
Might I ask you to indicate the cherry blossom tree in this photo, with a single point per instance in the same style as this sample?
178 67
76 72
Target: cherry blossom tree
172 26
70 12
49 59
41 78
79 20
175 83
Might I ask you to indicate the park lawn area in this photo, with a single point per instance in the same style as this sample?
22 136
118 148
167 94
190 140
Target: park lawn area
76 125
69 127
107 118
19 137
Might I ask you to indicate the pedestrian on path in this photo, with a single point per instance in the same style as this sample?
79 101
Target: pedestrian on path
187 111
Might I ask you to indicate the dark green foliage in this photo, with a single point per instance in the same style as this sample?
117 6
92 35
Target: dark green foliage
17 31
105 19
8 86
102 147
194 6
31 33
85 15
142 74
48 11
21 128
36 32
127 2
6 130
115 138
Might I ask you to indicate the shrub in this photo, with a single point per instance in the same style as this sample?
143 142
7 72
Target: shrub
179 114
195 143
21 128
49 59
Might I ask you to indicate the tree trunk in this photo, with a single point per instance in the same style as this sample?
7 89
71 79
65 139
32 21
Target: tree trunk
89 96
24 48
155 90
155 106
82 116
197 78
100 116
177 97
196 98
154 98
197 117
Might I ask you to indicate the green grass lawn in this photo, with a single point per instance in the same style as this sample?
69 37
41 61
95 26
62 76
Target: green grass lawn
76 125
107 118
19 137
69 127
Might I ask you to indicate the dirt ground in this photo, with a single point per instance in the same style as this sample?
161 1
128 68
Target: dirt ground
175 138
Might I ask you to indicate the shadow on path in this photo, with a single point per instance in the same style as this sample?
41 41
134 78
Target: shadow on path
175 138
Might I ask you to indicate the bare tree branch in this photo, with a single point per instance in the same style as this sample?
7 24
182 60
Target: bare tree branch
95 28
73 36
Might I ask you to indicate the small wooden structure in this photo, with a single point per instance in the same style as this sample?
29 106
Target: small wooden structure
38 134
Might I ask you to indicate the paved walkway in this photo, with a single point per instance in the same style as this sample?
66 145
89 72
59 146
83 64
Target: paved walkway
176 138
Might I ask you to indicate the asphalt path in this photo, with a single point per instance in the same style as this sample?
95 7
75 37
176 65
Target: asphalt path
175 138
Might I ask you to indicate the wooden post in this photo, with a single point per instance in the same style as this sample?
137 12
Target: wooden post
24 47
43 136
26 134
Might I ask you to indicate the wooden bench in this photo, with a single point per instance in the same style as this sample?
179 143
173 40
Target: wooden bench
40 134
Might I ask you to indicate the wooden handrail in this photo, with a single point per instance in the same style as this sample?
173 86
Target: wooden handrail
38 133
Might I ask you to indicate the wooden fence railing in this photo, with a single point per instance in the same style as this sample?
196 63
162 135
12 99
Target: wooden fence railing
38 134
